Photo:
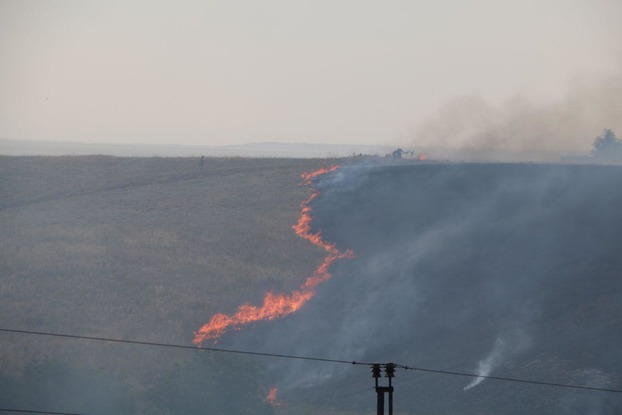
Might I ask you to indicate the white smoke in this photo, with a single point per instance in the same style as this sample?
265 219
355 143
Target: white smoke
486 366
509 344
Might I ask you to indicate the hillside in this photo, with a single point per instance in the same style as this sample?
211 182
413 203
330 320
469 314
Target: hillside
508 269
143 249
511 270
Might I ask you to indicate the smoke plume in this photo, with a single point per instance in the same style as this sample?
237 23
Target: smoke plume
486 366
505 348
521 129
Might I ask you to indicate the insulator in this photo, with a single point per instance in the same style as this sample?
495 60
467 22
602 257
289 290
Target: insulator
389 370
375 370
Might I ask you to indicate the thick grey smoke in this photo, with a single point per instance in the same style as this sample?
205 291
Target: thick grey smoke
521 129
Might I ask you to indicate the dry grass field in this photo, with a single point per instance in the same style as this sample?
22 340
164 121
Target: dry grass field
454 263
141 248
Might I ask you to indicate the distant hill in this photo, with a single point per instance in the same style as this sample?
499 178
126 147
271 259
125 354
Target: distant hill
276 150
258 150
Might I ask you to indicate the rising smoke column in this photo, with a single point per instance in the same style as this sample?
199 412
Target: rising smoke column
486 366
280 305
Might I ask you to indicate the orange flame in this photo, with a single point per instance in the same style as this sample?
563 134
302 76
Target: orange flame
271 398
422 157
281 305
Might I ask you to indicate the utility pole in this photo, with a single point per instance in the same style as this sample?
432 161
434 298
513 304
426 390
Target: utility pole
389 372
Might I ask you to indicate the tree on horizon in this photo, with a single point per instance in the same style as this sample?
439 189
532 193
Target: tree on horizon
607 146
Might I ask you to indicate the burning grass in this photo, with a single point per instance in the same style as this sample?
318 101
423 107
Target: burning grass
280 305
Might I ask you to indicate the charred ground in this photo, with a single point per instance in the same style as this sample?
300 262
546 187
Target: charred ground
516 266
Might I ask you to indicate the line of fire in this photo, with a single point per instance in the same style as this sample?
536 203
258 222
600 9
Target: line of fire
280 305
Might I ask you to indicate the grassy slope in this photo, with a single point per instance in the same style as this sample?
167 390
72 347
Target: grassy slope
150 249
143 249
451 258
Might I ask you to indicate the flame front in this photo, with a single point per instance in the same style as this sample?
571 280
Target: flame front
281 305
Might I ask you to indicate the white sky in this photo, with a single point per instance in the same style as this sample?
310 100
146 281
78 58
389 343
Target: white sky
231 72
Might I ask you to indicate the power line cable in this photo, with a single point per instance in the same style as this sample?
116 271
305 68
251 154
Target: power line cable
315 359
507 379
180 346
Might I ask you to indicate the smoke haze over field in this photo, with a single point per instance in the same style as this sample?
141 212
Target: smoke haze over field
498 269
351 72
511 270
565 126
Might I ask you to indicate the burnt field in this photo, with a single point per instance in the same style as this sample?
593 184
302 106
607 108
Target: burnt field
508 270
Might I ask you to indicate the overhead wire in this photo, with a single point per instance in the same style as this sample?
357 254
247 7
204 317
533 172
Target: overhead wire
508 379
309 358
181 346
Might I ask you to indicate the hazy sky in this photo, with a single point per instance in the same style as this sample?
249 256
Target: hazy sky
367 72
